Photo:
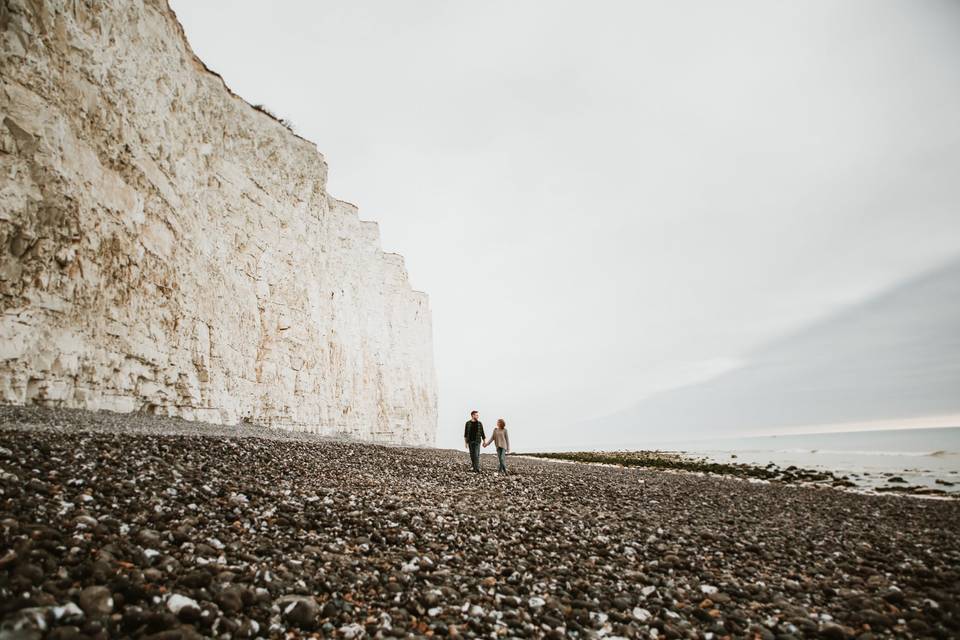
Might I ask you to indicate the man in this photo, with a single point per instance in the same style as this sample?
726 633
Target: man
472 437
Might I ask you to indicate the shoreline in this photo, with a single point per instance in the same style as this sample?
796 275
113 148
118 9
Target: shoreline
884 460
792 475
853 490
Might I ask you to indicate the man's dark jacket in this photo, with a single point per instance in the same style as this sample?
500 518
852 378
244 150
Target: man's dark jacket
473 431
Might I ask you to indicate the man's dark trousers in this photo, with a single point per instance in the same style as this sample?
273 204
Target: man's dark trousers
475 454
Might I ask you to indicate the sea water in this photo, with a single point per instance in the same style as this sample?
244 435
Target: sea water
922 457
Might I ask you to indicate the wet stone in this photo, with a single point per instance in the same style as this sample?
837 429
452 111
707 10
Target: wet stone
197 579
96 601
299 611
67 632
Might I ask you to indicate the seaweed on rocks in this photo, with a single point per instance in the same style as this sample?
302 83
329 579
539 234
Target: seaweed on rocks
679 461
682 462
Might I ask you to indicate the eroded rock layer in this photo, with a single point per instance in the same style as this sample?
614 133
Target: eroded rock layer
166 247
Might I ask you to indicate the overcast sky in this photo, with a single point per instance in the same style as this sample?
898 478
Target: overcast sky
609 199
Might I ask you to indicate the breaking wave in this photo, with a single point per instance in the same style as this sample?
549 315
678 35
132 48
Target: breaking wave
849 452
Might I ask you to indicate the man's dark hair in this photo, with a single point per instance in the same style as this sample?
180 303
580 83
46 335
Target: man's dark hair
474 411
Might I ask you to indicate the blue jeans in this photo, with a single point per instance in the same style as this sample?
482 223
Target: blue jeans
475 454
502 457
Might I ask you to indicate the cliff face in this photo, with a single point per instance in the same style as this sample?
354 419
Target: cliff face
165 247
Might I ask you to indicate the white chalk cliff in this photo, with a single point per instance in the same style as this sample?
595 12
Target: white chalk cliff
166 247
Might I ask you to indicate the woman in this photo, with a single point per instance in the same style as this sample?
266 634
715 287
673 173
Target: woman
500 437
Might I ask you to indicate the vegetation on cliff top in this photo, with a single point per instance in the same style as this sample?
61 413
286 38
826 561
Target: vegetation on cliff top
263 109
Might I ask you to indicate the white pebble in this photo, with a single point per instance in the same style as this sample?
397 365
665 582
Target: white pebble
176 602
641 615
352 631
69 612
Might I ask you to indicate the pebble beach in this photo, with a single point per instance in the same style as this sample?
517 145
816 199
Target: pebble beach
138 526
